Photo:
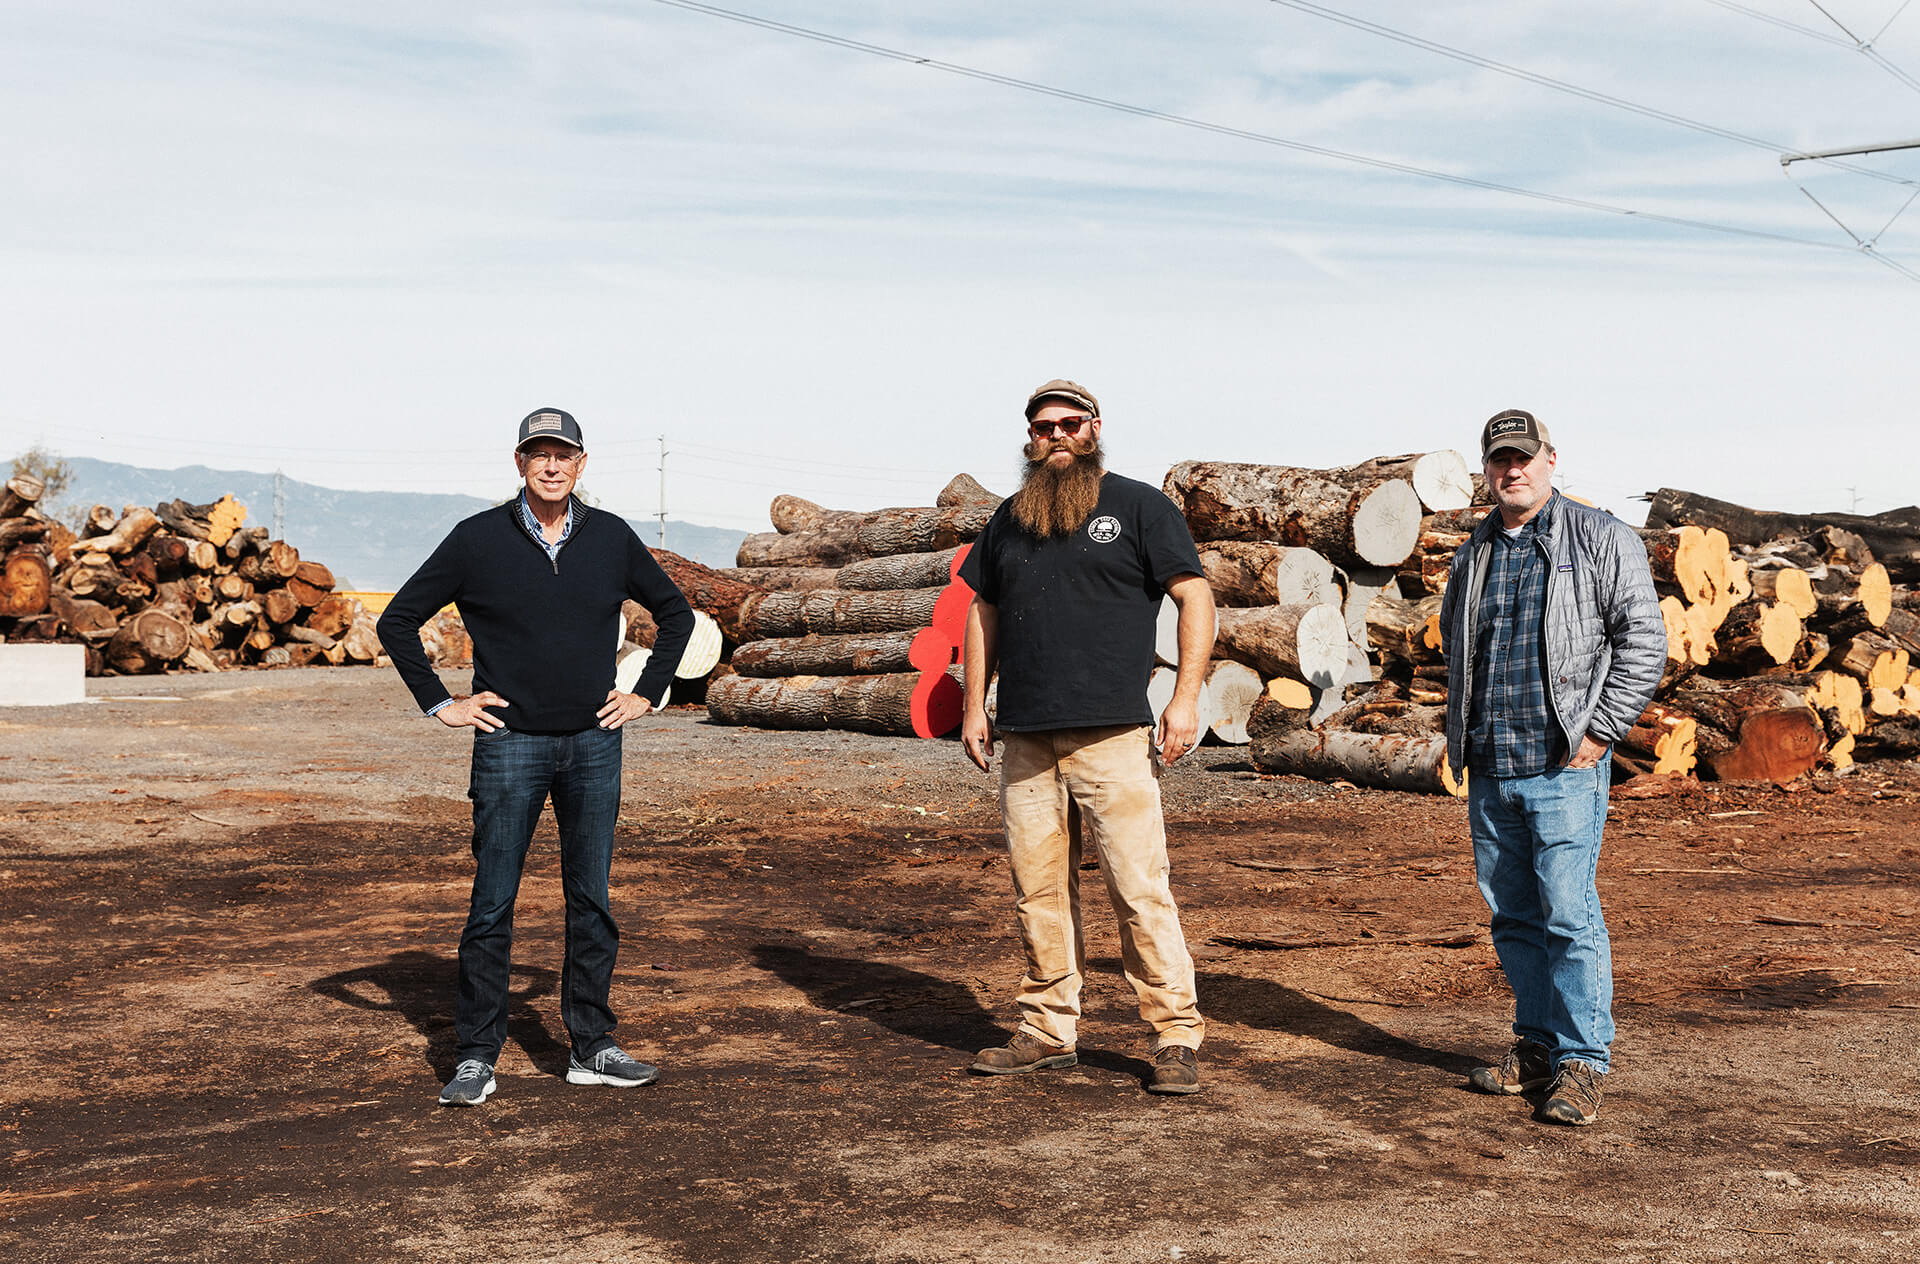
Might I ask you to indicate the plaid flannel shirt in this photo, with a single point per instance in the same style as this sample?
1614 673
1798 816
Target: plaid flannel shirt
532 524
1511 729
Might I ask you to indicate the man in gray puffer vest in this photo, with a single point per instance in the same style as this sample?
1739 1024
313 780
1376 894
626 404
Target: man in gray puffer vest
1554 644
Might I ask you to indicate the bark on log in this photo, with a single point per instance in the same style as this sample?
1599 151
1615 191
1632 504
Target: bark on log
1405 632
887 532
310 636
640 627
791 515
902 570
1261 573
21 493
20 531
147 642
835 610
1757 635
1307 643
1234 688
89 620
965 490
1893 537
1666 736
183 519
1352 520
308 595
128 534
1274 715
727 602
361 642
26 583
850 654
1788 585
783 578
1380 761
901 704
833 548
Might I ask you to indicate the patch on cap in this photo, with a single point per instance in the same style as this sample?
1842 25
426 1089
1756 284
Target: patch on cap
544 421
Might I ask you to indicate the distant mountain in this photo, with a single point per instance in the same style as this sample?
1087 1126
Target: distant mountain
372 540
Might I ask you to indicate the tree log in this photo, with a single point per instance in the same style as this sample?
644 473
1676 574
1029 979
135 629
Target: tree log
727 602
21 493
20 531
1406 632
183 519
901 703
128 534
792 515
1358 519
833 548
89 620
309 636
1380 761
834 610
1757 635
281 559
1160 694
1666 736
1261 573
902 570
640 628
147 642
26 583
279 606
1442 480
849 654
703 649
361 642
1788 585
232 587
1893 537
1234 688
1307 643
314 575
965 490
783 578
332 614
887 532
308 595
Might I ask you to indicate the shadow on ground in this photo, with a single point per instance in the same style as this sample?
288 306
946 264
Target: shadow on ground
419 986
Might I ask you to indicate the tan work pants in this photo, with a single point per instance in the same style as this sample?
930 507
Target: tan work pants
1108 780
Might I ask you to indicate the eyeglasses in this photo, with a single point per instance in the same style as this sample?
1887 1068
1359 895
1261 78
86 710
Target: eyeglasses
566 460
1068 426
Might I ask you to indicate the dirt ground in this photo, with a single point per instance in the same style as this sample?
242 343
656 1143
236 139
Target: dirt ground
229 907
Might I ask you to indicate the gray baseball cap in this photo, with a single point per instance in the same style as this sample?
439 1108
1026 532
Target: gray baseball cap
549 423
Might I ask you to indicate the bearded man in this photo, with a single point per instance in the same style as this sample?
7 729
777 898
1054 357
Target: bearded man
1068 576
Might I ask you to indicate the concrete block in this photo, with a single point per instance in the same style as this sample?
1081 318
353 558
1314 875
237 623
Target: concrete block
42 675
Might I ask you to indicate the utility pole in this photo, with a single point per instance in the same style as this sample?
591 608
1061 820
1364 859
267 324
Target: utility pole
663 491
279 505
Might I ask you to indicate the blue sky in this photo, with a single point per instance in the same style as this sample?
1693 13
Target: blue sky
358 241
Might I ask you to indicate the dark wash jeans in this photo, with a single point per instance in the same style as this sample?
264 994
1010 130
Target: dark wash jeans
513 775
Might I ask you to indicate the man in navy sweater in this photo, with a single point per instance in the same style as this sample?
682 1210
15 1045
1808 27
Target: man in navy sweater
540 581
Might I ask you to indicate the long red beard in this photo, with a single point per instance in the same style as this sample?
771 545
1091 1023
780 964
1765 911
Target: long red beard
1057 502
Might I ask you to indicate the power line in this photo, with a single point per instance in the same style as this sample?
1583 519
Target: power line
1858 45
1561 85
1220 129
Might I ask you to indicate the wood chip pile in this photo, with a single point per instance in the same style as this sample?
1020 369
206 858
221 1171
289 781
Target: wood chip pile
174 587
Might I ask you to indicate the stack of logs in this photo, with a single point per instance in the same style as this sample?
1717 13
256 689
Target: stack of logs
1299 562
845 620
174 587
1784 652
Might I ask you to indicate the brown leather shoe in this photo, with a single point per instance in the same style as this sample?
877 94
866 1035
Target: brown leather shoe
1574 1097
1526 1067
1022 1053
1176 1069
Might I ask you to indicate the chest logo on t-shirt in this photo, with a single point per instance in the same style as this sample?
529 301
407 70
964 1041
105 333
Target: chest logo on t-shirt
1104 530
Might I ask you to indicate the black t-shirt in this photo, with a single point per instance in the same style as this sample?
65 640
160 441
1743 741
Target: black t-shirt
1077 612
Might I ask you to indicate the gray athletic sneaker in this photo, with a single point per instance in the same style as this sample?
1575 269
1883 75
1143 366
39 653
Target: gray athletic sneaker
611 1066
472 1083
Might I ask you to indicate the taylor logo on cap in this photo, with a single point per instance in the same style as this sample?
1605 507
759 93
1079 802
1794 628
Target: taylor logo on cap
1507 426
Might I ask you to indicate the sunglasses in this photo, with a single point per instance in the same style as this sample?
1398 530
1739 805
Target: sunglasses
1068 426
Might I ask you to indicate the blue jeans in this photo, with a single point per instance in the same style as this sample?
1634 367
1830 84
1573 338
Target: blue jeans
1536 846
513 775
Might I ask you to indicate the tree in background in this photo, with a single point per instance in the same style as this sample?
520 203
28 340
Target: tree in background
55 473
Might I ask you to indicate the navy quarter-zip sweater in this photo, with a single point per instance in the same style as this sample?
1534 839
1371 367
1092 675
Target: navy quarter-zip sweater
543 631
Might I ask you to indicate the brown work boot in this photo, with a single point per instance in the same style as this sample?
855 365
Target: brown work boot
1575 1095
1527 1066
1176 1069
1022 1053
